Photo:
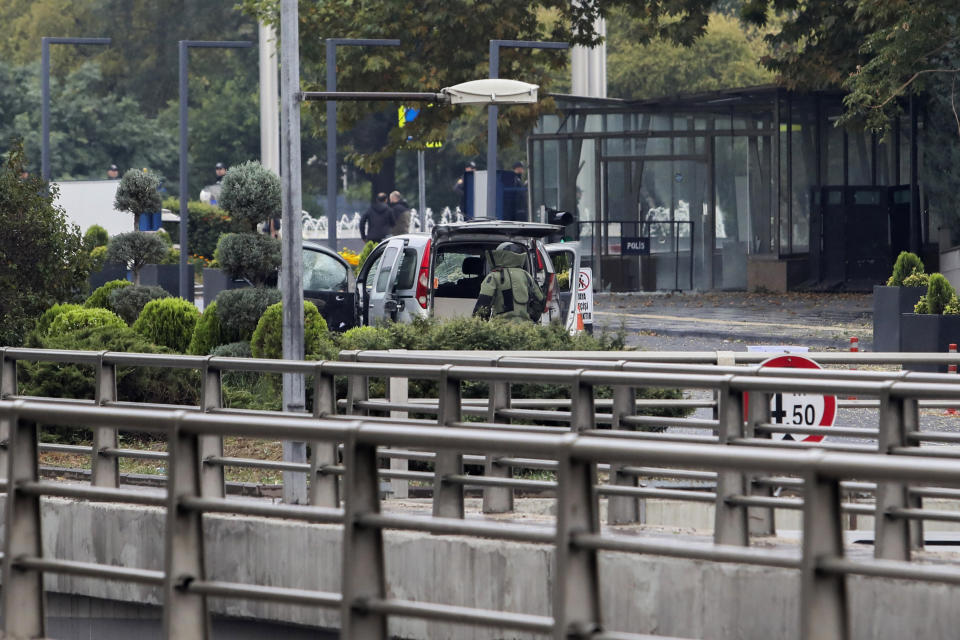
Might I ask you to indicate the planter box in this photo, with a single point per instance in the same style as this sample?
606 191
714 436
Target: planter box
928 334
110 271
215 281
889 304
168 277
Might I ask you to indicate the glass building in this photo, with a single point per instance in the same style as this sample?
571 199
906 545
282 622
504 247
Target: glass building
736 189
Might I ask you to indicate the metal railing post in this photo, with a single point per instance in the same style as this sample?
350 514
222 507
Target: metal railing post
185 614
497 499
211 397
762 520
576 594
358 390
363 574
323 485
448 496
23 597
623 509
398 390
892 534
8 387
731 524
823 595
104 469
583 415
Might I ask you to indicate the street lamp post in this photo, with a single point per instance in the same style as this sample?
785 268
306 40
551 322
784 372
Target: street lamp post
185 46
45 43
492 112
332 44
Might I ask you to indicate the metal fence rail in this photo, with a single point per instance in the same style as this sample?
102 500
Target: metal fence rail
576 536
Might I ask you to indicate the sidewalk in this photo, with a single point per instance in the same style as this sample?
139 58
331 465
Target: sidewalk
732 320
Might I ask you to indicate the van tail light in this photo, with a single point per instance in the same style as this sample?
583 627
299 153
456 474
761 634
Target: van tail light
423 278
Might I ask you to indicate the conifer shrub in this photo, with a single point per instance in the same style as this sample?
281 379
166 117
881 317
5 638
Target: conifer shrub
48 316
267 339
906 264
83 318
95 236
128 302
168 322
939 293
206 334
100 298
239 311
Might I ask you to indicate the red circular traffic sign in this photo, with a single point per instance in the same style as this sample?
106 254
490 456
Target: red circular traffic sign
798 409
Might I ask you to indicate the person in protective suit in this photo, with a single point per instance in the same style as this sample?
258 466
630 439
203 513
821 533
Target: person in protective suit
509 291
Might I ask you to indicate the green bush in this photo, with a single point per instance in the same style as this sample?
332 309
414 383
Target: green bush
953 307
237 379
83 318
98 258
239 311
164 237
268 336
51 314
921 307
138 193
365 253
206 334
207 223
128 302
250 193
916 279
95 236
362 338
939 293
168 322
135 249
100 298
905 265
249 256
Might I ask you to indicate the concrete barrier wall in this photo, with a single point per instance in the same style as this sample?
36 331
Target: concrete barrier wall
643 594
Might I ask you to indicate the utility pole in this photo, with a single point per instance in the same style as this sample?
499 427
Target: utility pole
291 274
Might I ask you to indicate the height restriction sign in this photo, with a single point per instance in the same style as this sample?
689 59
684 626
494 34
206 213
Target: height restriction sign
799 409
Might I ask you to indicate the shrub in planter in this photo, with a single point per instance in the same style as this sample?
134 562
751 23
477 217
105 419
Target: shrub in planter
137 193
136 249
207 223
206 333
250 193
83 318
95 236
267 339
128 302
249 256
51 314
906 264
239 311
100 298
168 322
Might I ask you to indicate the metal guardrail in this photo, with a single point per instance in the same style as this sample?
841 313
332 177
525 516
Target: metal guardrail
576 537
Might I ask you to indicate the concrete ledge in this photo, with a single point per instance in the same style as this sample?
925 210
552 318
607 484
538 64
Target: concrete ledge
643 594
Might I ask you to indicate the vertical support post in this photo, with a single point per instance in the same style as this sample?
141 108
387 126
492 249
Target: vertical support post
8 387
358 390
212 481
104 470
323 485
185 614
23 598
331 146
497 499
762 519
184 53
624 509
892 539
583 416
398 390
730 520
45 108
576 595
492 112
363 575
447 496
823 596
422 189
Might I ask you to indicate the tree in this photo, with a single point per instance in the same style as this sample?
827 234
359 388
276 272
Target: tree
727 55
137 193
136 249
251 194
42 258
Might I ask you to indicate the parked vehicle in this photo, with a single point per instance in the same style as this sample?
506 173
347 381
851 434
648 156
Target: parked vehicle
329 283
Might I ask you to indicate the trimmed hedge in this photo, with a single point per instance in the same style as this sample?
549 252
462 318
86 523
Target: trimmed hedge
51 314
168 322
95 236
207 223
268 336
250 193
100 298
206 333
128 302
249 256
83 318
239 311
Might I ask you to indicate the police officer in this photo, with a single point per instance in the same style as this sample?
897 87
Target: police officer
509 291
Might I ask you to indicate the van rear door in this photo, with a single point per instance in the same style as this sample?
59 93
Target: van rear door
382 303
565 257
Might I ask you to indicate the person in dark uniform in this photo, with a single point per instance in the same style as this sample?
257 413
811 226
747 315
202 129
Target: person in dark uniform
377 222
401 214
113 173
221 170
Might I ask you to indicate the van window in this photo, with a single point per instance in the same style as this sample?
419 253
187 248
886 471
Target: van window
322 272
408 270
459 272
383 276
